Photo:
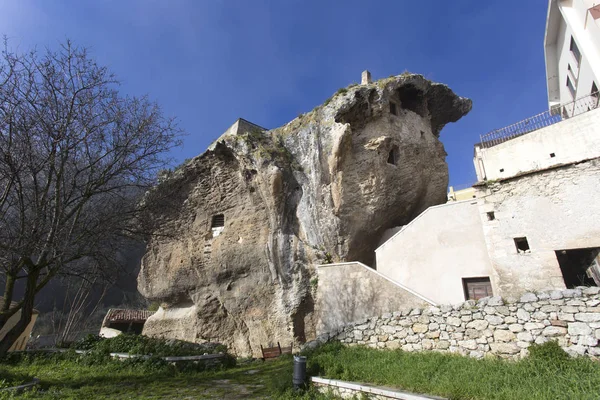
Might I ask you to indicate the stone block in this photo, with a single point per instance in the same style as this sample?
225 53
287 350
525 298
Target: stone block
587 317
494 319
579 328
590 291
515 328
468 344
453 321
504 348
442 345
524 337
530 326
528 298
503 336
523 315
539 315
549 308
566 317
556 322
552 331
495 301
420 328
587 341
556 294
503 310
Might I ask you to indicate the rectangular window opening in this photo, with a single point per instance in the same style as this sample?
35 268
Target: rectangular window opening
594 90
491 216
218 221
477 288
522 245
552 155
571 87
580 267
393 108
575 50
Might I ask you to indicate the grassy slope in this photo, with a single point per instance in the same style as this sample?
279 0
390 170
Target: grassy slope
549 375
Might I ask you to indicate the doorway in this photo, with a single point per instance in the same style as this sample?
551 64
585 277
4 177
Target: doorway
580 267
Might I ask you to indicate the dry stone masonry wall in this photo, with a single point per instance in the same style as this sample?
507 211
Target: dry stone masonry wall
489 326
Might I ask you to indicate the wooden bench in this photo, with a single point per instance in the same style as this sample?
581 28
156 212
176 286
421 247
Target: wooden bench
270 353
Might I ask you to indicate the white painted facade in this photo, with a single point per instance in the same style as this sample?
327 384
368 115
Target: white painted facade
571 140
439 248
572 49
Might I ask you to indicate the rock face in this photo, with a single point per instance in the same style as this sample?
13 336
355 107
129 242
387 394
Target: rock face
322 188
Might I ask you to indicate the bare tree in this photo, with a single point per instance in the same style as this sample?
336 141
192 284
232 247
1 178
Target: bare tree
75 156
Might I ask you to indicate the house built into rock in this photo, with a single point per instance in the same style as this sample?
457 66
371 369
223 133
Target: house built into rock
530 223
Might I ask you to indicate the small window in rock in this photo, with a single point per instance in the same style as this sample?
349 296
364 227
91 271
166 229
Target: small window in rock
393 108
552 155
218 221
594 91
393 156
501 169
522 245
491 216
477 288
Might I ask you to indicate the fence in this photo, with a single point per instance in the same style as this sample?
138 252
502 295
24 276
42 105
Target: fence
554 115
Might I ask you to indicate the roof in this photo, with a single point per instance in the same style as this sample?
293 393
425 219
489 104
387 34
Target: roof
125 315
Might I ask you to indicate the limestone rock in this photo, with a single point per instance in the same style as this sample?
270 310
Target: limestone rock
324 187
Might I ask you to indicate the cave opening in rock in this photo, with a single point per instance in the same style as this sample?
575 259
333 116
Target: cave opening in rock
413 99
393 156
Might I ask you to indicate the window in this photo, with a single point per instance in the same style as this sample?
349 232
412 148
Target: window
393 108
522 245
393 156
217 224
575 50
571 87
477 288
594 90
218 221
491 216
552 155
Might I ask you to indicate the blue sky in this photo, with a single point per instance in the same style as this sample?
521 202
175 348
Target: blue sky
210 62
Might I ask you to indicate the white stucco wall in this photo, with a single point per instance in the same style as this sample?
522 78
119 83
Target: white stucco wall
435 251
568 19
571 140
556 209
351 292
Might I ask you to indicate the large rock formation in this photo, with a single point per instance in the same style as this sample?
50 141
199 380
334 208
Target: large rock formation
322 188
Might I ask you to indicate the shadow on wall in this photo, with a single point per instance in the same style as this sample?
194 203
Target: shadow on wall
352 292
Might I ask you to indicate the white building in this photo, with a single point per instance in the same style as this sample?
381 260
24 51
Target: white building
572 50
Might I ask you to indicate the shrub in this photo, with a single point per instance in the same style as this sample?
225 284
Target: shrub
549 351
144 345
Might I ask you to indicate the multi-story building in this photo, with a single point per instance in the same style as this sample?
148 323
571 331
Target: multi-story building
572 50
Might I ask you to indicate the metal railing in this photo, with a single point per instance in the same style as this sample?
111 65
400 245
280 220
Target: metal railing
556 114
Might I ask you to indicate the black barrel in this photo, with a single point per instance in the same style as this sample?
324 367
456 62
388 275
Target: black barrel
299 378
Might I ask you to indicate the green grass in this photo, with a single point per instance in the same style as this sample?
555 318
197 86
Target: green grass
547 374
70 376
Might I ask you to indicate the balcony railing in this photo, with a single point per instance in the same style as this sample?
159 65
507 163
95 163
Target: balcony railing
556 114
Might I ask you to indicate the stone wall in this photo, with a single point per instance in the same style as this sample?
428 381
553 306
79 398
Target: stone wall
555 210
489 326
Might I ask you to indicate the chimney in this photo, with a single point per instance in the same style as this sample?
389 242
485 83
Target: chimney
365 77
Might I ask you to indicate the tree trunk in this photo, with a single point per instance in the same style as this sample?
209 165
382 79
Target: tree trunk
9 288
26 311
